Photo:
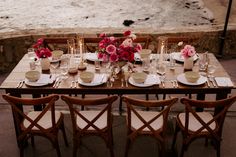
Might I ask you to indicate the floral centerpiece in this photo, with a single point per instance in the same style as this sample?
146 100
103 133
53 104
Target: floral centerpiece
188 52
42 53
115 50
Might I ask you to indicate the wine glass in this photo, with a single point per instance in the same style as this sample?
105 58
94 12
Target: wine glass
211 70
54 66
161 68
64 67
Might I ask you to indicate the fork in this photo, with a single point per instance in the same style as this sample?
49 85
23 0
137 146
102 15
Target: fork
211 79
20 84
72 84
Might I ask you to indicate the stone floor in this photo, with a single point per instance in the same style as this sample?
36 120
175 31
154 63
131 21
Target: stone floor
143 146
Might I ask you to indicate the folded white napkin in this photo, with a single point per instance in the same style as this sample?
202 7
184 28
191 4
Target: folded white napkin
152 79
224 82
45 78
99 78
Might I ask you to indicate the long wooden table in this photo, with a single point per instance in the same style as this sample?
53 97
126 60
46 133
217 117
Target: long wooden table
18 74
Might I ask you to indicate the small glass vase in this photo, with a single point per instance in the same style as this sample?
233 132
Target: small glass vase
45 64
188 63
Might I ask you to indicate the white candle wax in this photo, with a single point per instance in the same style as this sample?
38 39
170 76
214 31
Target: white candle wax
81 49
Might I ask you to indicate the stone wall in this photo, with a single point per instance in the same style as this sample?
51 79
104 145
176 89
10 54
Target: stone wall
13 49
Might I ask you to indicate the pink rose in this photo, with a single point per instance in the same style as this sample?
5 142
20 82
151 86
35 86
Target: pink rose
138 47
127 43
40 41
100 55
127 33
102 35
113 57
111 49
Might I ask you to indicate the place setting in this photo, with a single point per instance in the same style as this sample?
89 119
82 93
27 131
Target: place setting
37 79
87 78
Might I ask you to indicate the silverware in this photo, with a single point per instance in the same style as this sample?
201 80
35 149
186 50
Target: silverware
55 83
126 83
208 83
122 82
58 83
20 84
76 82
211 79
173 83
72 84
163 83
176 83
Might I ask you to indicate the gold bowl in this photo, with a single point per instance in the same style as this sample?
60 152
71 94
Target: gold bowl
86 76
192 76
56 54
32 75
145 53
139 77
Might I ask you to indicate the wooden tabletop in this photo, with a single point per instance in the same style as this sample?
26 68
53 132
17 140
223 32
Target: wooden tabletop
18 74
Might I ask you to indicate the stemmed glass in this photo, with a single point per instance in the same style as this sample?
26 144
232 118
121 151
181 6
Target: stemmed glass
211 70
54 66
162 70
64 66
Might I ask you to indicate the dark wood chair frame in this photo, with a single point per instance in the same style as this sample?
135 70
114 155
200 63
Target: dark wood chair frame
159 134
26 133
78 133
214 134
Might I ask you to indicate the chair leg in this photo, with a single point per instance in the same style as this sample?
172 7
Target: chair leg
32 140
75 146
120 105
64 133
218 149
175 136
206 142
56 145
127 147
182 150
22 151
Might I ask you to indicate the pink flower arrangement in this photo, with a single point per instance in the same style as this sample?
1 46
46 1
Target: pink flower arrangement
110 48
188 51
40 51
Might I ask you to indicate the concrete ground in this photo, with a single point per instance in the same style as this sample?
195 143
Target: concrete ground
143 146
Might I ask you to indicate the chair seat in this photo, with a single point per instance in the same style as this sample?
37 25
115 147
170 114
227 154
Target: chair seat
136 123
101 122
194 124
45 121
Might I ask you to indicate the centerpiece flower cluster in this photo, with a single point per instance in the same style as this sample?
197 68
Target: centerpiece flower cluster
41 51
114 50
188 51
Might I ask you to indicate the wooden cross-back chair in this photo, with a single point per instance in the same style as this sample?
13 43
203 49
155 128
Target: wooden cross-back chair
152 123
91 122
195 125
44 123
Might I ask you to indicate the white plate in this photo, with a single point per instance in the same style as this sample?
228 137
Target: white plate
99 79
91 56
43 81
54 60
178 57
181 78
150 81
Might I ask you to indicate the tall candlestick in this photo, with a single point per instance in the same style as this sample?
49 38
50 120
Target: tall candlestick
161 53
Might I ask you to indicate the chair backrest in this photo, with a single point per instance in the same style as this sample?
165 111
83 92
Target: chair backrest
19 115
133 103
75 111
221 107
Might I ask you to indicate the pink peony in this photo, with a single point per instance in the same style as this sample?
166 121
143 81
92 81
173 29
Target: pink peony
188 51
111 49
100 55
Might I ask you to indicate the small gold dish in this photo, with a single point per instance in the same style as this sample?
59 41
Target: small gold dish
32 75
139 77
191 76
86 76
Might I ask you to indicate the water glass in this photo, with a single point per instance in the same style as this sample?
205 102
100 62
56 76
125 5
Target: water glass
172 61
64 67
203 62
31 53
